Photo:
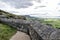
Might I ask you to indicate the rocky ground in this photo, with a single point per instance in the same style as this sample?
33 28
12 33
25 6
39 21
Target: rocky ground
20 36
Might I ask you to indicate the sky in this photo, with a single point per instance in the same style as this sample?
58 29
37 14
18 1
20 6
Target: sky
36 8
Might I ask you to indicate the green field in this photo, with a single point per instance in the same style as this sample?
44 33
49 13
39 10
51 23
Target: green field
55 23
6 32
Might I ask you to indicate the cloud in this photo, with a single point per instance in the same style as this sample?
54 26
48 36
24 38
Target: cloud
5 6
38 8
19 3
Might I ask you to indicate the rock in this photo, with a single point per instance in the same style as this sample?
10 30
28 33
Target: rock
20 36
36 30
55 35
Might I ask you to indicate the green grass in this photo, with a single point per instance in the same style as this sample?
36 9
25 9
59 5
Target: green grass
6 32
55 23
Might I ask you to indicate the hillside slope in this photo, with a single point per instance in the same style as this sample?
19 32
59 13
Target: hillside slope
10 15
6 31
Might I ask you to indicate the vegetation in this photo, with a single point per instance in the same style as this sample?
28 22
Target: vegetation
6 32
55 23
10 15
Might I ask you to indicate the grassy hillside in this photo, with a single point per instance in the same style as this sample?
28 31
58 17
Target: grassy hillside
10 15
6 32
55 23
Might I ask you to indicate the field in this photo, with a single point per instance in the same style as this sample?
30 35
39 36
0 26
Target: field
55 23
6 32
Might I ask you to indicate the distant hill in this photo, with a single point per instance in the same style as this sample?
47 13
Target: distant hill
10 15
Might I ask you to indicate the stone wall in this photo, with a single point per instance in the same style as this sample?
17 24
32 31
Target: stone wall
35 30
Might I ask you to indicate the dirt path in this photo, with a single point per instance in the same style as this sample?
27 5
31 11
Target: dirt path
20 36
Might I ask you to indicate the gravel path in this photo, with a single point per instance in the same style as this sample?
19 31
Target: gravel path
20 36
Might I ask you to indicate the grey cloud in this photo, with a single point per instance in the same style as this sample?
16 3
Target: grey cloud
39 7
13 12
19 3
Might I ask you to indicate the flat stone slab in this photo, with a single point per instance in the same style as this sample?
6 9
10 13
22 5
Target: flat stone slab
20 36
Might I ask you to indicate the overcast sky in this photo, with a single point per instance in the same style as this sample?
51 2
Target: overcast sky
37 8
